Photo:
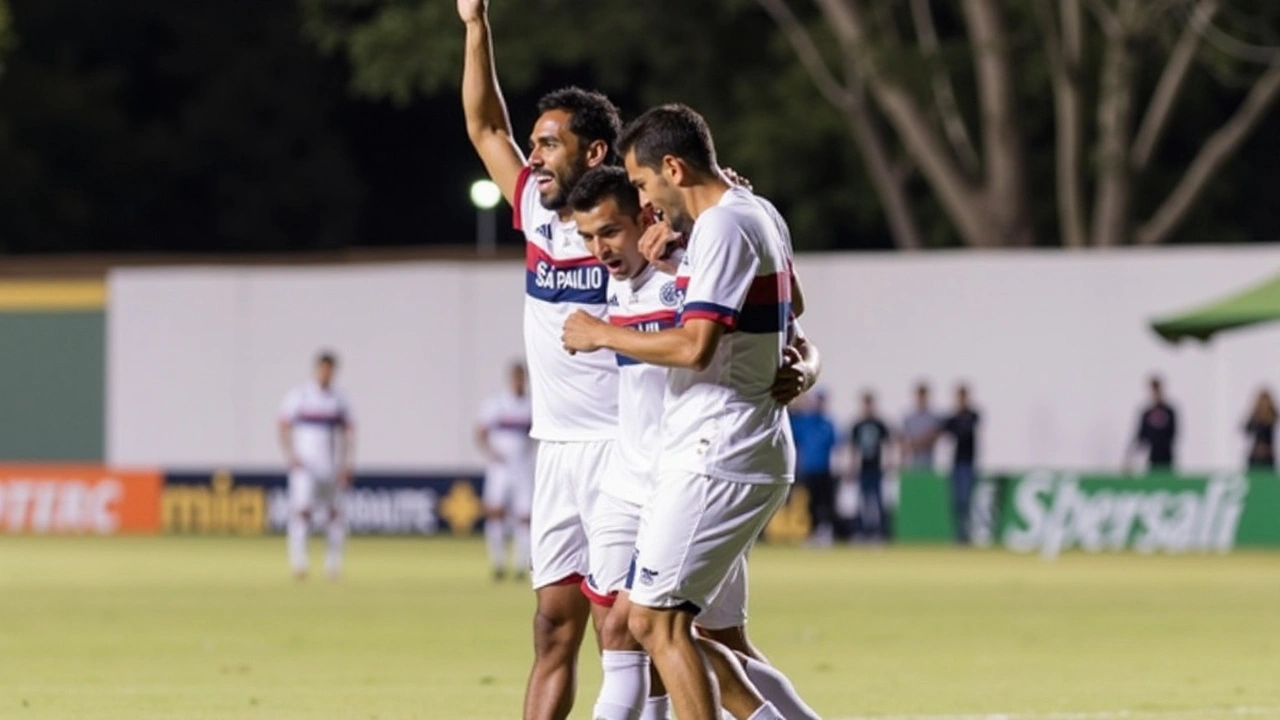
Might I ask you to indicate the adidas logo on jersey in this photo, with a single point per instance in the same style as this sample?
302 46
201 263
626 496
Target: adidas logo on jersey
545 231
613 301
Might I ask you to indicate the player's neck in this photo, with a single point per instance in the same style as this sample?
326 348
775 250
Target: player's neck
706 194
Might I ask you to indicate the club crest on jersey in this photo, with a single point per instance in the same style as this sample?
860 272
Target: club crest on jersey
669 295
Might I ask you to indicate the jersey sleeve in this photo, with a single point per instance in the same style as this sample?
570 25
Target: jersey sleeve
518 210
722 267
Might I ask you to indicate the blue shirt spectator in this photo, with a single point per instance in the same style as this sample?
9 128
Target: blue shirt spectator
815 437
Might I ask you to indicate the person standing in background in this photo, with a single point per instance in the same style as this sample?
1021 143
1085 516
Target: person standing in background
503 437
317 437
1157 431
815 438
1261 429
920 432
871 440
962 426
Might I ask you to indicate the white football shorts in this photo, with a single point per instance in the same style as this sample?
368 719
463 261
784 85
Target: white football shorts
693 532
565 485
615 525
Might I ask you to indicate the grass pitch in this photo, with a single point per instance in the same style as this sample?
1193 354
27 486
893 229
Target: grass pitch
195 628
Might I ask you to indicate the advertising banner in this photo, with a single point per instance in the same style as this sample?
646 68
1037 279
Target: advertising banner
78 499
1048 511
220 502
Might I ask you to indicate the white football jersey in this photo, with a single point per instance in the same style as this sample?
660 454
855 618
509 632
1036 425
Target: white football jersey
316 417
646 303
575 397
722 421
508 418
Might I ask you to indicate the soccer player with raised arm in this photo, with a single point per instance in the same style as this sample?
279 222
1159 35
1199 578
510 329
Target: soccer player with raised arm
574 397
727 456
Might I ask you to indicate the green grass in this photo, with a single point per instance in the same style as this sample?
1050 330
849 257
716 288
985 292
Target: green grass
184 628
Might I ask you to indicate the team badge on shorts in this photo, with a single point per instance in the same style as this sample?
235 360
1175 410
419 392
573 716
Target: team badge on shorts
669 295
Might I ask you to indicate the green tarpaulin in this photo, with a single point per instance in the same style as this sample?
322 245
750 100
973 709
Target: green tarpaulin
1256 305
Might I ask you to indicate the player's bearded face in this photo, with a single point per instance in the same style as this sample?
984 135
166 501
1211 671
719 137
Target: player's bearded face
555 195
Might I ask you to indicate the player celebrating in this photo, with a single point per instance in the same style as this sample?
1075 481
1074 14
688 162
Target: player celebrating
503 437
573 398
318 439
643 297
727 454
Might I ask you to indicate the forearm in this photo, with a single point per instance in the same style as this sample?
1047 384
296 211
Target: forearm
482 103
810 356
677 347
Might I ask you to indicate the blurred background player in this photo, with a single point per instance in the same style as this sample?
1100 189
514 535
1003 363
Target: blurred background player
1157 431
318 439
872 443
815 437
503 437
962 426
574 398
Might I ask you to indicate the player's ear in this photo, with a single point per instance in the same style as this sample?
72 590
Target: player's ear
674 170
597 151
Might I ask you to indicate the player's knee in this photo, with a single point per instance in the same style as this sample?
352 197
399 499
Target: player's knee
615 632
644 624
553 636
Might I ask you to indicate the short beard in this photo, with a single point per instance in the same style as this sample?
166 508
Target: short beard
564 185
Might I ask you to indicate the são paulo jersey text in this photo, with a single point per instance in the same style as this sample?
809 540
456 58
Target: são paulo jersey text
575 397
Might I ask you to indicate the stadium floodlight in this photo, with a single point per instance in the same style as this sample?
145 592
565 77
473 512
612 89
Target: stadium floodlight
485 195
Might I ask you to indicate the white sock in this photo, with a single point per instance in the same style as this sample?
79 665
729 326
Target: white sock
777 690
656 708
297 542
767 712
495 537
522 547
624 687
337 542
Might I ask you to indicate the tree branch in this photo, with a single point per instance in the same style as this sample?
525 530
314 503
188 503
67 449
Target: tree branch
943 92
1001 139
1216 151
807 50
1106 17
963 202
1170 85
1065 49
850 101
1115 114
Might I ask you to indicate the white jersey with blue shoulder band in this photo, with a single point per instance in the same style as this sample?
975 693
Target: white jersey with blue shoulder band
574 396
646 303
316 416
722 422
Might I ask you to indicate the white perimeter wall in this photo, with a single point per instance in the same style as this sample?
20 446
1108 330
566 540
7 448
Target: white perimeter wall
1054 345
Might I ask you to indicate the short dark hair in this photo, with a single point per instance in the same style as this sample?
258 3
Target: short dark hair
602 183
327 357
592 116
675 130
